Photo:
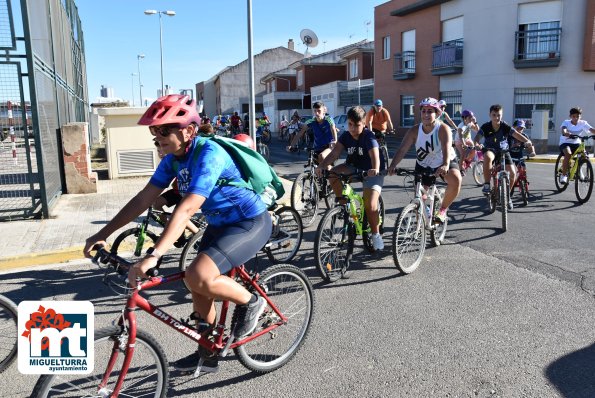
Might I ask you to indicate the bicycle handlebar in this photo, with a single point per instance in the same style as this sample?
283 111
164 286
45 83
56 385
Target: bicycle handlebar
357 173
582 138
119 264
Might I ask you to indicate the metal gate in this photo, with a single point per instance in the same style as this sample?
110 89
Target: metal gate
42 86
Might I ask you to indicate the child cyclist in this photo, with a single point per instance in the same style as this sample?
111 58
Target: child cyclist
573 126
362 153
238 223
463 138
434 151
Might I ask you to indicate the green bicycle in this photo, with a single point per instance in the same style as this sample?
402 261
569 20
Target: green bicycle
579 169
336 233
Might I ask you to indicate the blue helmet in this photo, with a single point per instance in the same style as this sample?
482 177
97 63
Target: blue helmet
378 102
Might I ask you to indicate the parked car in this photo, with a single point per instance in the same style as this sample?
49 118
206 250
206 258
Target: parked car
341 122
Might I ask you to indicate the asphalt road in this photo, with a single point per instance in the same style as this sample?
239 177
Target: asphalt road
488 314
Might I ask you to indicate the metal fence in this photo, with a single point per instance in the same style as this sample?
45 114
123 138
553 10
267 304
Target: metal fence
42 86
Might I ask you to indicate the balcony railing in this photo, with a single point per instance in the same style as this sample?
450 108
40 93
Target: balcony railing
537 48
447 58
404 67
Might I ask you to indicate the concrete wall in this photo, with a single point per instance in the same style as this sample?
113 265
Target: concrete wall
125 139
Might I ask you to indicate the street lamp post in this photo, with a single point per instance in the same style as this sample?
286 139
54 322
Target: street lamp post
140 84
132 86
168 13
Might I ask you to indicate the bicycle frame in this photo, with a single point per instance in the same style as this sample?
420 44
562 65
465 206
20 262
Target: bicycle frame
581 152
354 203
222 342
430 194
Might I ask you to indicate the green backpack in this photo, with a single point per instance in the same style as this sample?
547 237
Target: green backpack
257 175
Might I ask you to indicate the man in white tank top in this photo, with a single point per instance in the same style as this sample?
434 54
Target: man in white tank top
433 150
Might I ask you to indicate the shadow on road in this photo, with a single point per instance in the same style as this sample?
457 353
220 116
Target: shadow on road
574 374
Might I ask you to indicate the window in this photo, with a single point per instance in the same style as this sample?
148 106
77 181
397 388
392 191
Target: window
407 110
353 68
452 29
409 51
386 47
539 29
528 99
453 104
300 77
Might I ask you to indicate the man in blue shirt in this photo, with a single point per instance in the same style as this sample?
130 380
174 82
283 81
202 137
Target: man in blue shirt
239 224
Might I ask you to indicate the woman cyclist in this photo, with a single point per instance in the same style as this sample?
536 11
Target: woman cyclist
238 223
434 151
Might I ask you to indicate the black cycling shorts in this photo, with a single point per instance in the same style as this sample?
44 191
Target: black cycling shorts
232 245
573 147
507 157
429 180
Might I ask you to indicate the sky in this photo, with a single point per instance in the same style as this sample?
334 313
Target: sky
203 37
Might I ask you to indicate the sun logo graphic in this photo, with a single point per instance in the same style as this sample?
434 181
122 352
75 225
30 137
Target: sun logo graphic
56 337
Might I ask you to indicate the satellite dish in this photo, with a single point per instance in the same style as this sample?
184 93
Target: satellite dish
309 39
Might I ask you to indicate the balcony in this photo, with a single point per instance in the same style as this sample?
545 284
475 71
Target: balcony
537 48
404 67
447 58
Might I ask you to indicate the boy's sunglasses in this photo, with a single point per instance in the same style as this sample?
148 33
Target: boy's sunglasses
164 130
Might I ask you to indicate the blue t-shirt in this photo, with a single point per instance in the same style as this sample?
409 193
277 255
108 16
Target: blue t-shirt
322 131
224 204
358 150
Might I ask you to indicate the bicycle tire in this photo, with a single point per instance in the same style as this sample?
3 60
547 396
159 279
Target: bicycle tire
409 244
303 200
146 379
288 239
125 247
503 189
290 290
558 171
384 152
438 233
8 332
583 178
478 172
367 237
333 244
327 193
190 252
524 188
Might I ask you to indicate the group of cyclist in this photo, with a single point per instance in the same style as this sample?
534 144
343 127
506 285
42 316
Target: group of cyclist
238 221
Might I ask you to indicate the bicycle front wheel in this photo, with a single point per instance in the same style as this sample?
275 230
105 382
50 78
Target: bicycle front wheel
503 190
287 236
304 198
147 375
409 239
8 332
129 246
583 180
333 244
290 290
478 172
438 231
524 188
558 172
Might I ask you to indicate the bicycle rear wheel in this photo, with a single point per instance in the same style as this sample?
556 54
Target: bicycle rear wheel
558 172
127 243
438 231
503 190
304 198
409 239
367 233
287 236
333 244
147 375
190 252
478 172
291 292
8 332
583 180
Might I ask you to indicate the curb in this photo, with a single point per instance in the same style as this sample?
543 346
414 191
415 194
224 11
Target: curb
34 259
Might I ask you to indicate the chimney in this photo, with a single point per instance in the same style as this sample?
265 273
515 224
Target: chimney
290 44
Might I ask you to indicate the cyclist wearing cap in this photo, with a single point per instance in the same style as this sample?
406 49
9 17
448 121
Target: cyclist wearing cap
463 137
238 223
573 126
378 118
494 133
323 127
433 148
516 147
444 117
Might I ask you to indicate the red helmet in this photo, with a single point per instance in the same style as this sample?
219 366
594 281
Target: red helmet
171 109
246 139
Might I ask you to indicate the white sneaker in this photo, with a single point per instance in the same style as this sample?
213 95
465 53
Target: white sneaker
563 179
377 242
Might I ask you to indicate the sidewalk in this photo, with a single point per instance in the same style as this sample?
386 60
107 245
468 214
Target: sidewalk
73 219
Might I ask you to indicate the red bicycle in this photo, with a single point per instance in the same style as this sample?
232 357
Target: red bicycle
131 363
521 182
